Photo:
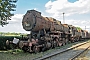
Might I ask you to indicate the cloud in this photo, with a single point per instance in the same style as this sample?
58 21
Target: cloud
76 13
57 7
15 25
17 18
84 24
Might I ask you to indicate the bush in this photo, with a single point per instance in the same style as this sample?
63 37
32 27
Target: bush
3 41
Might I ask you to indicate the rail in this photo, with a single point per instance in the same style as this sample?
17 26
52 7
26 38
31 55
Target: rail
59 52
77 55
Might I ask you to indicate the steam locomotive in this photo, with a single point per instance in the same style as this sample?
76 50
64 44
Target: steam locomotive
47 32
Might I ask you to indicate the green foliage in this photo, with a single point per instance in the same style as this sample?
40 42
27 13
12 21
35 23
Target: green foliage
4 38
78 28
15 51
6 7
11 34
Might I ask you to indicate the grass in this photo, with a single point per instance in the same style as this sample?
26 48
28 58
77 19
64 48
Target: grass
18 54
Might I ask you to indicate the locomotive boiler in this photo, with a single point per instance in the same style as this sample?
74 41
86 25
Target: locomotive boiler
33 21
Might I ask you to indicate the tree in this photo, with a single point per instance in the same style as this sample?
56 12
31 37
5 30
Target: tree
78 28
6 7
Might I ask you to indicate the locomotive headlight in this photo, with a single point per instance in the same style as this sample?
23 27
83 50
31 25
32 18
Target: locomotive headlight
27 24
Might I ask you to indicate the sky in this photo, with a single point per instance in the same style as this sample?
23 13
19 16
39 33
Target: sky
77 13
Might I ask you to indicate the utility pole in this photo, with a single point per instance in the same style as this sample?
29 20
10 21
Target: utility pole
85 27
63 18
85 32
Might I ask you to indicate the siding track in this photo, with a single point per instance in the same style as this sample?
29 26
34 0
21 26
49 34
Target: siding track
67 54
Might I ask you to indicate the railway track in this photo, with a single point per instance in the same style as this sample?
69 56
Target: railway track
77 55
67 54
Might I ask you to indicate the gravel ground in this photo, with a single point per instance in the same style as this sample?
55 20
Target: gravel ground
28 56
85 55
88 55
69 54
